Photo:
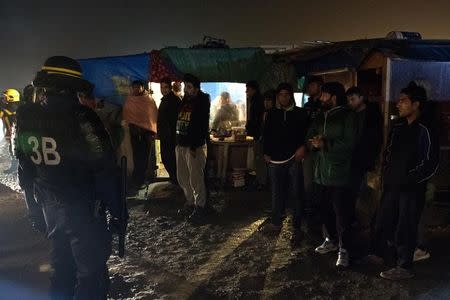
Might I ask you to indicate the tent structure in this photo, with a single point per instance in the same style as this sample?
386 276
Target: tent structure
113 75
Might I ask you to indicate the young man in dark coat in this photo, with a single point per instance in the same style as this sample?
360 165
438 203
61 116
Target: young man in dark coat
284 149
167 131
369 141
313 108
411 158
332 136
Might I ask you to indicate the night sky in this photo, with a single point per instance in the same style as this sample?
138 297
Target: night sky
30 31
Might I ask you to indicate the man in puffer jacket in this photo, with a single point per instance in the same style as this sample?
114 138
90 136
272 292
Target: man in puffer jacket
333 136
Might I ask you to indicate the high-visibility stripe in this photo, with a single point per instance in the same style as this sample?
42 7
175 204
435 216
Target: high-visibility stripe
65 74
8 112
61 70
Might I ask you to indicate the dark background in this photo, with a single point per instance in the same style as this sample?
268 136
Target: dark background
30 31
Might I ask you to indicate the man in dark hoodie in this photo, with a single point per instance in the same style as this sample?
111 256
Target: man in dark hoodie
167 123
370 139
192 135
411 158
313 108
284 148
332 136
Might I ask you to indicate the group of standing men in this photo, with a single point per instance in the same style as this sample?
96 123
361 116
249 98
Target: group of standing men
334 141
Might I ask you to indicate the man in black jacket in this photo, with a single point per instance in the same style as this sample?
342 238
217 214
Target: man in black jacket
284 148
369 142
411 158
167 131
192 135
313 108
255 115
255 106
65 152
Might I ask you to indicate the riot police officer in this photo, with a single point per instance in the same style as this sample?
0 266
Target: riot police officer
8 107
65 151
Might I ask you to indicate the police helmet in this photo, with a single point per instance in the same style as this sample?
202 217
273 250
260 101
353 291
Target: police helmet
11 95
61 72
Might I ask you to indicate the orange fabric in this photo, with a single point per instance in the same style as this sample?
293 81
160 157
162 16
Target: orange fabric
141 111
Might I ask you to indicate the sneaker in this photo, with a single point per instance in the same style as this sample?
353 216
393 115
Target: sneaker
343 259
397 273
420 254
327 247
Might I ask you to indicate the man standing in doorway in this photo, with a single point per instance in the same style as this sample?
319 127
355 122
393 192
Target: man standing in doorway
167 131
192 135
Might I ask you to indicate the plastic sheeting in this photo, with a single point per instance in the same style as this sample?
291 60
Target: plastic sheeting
433 76
160 67
112 76
219 65
352 53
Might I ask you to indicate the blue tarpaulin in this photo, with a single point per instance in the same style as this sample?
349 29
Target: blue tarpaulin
112 76
351 54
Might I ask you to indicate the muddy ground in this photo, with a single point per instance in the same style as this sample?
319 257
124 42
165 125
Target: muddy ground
227 258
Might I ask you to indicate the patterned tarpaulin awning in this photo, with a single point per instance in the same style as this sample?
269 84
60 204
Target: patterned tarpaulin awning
161 67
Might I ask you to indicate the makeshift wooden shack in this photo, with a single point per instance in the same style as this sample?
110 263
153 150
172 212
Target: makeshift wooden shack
382 67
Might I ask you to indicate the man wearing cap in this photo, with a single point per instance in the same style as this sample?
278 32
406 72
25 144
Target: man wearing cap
64 150
332 137
192 136
284 148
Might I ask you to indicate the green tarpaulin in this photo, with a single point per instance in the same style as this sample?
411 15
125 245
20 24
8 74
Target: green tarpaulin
220 65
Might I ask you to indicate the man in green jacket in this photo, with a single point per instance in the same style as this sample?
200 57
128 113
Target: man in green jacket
332 135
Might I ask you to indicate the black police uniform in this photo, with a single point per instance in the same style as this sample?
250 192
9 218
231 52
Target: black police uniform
64 150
